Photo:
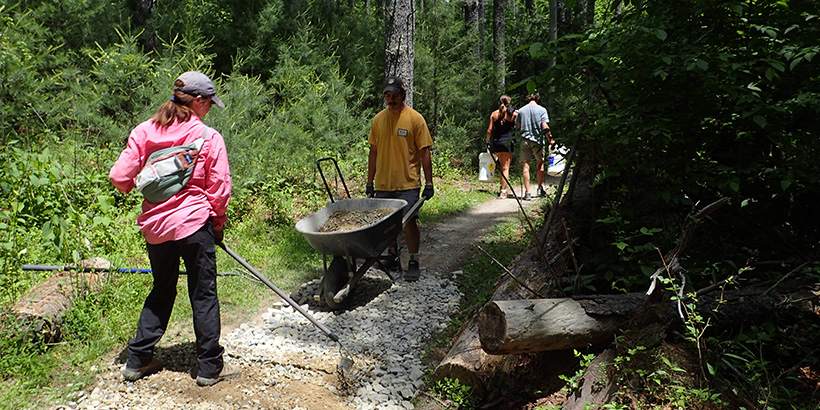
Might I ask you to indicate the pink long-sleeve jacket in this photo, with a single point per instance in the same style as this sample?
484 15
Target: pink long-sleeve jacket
205 195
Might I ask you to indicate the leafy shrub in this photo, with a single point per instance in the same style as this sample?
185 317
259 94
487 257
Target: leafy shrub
457 393
683 113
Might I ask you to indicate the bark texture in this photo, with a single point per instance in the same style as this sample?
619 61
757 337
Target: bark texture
399 38
534 325
500 52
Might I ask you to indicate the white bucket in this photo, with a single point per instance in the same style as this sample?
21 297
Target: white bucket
557 161
486 167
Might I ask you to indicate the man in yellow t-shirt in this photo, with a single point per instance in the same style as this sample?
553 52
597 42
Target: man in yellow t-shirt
399 151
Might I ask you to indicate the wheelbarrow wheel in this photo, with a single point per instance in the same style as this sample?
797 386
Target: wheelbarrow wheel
335 280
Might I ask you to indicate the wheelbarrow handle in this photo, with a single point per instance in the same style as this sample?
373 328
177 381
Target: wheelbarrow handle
412 210
278 291
338 172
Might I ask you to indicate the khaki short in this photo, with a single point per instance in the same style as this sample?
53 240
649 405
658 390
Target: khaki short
530 149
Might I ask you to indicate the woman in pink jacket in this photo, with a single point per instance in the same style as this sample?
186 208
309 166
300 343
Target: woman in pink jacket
187 226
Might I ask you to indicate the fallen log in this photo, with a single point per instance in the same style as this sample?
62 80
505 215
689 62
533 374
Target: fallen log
40 311
596 388
534 325
466 361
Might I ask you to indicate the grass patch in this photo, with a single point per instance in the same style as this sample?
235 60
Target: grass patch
452 199
504 242
97 328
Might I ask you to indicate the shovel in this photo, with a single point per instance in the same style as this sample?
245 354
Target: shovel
346 362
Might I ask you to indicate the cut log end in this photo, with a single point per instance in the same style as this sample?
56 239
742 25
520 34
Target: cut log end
493 325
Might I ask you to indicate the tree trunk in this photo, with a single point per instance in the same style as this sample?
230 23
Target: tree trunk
399 53
471 16
499 54
482 24
590 13
474 22
534 325
553 28
143 10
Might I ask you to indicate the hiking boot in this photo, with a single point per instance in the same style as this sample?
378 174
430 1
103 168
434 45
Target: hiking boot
542 192
527 197
136 374
228 372
413 272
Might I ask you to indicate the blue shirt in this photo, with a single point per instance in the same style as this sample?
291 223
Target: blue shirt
530 118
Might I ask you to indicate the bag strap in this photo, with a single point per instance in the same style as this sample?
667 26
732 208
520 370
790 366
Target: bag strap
188 157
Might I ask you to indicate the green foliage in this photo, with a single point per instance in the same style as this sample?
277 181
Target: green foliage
504 242
52 208
25 55
304 112
456 393
448 78
771 362
688 103
20 354
74 24
574 381
661 377
675 105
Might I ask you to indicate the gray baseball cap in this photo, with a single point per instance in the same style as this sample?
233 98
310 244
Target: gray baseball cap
196 83
395 85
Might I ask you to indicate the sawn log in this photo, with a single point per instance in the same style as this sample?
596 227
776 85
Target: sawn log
40 310
534 325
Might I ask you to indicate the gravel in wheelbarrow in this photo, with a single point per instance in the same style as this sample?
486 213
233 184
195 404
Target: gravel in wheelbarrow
365 242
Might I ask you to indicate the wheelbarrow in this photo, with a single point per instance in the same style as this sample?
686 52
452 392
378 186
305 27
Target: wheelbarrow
355 251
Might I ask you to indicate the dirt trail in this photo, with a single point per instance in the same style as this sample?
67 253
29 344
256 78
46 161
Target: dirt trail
303 380
445 243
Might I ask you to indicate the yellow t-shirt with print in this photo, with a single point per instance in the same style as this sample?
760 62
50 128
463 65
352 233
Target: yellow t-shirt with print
398 138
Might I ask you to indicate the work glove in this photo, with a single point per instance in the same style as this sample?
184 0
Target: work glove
428 192
369 191
219 234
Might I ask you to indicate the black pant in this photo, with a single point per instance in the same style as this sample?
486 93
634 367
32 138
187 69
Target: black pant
199 253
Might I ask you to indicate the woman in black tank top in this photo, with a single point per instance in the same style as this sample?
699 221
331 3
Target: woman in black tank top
500 139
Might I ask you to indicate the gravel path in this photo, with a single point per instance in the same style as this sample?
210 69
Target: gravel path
385 337
288 363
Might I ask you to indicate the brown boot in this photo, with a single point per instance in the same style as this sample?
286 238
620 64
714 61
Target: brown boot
228 372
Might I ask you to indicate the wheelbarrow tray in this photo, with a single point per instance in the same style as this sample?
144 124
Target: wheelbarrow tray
365 242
